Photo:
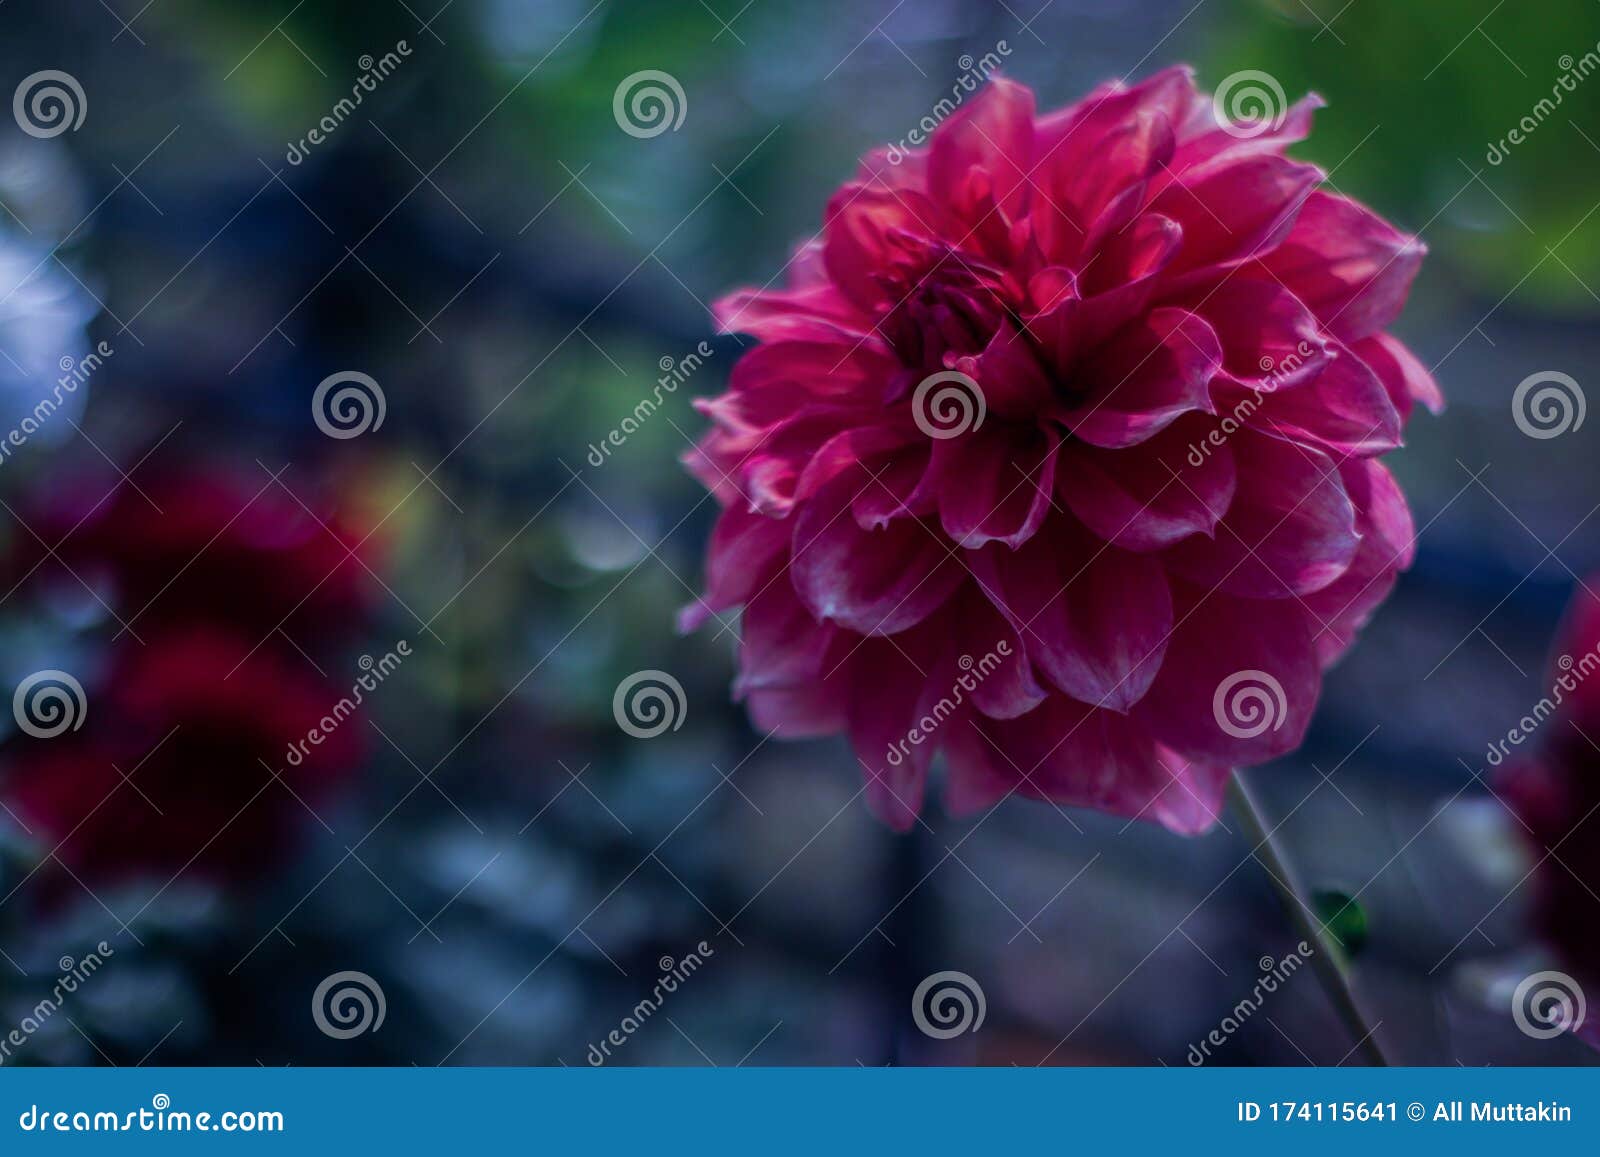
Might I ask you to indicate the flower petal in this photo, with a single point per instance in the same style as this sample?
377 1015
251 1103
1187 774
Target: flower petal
1178 483
1239 682
994 134
1290 530
1348 264
875 582
1094 618
993 484
1142 380
1406 378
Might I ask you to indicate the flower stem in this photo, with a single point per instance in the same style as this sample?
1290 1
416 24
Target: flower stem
1325 960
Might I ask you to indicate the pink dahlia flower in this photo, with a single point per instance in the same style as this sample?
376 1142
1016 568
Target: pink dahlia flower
1059 451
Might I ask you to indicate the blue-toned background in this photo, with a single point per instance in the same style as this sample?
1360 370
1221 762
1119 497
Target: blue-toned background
481 239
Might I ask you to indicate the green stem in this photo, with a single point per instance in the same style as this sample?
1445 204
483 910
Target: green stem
1325 960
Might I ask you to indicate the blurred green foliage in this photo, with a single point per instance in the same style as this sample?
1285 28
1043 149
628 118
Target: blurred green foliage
1418 94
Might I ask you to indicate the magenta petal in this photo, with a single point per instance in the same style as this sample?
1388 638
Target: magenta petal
1407 379
781 644
1207 142
1348 264
892 692
866 233
1072 754
1290 531
1388 540
1014 382
746 550
875 582
994 483
798 712
1239 682
1179 484
994 659
1270 340
1134 254
995 134
897 489
1231 211
1093 617
885 452
1344 409
1145 378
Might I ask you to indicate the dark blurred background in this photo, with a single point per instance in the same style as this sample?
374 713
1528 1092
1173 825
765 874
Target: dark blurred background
481 238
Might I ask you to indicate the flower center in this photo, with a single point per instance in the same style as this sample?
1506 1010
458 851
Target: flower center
949 310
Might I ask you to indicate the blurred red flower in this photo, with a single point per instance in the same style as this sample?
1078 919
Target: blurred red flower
177 762
176 545
1556 796
1059 454
195 708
